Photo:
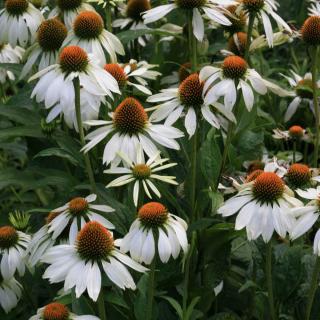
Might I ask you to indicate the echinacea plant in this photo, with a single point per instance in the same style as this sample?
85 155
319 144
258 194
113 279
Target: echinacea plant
159 159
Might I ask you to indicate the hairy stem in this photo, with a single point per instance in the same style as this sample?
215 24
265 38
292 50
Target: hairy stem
76 84
315 104
269 280
249 34
151 289
313 288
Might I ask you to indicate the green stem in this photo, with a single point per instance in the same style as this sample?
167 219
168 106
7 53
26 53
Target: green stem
76 84
269 280
231 128
108 17
249 35
193 59
151 289
101 306
315 104
313 287
187 275
294 150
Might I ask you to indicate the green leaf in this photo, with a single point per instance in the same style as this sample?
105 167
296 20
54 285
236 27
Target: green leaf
247 285
116 299
19 114
175 304
57 152
191 307
210 156
21 131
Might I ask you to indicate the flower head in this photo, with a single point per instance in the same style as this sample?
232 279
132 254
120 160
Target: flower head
55 86
131 126
50 36
154 219
213 9
10 291
310 31
13 246
298 175
93 254
135 8
88 32
58 311
68 10
187 99
234 75
24 18
302 91
263 9
307 216
237 43
142 173
263 206
62 224
139 72
237 18
8 54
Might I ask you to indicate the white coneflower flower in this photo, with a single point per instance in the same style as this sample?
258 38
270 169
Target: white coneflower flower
263 9
50 36
307 216
155 224
299 175
9 55
213 9
314 9
68 10
55 87
10 293
262 206
303 92
142 174
130 126
13 246
187 99
310 31
132 18
81 264
64 223
138 71
232 76
19 21
294 133
88 33
58 311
